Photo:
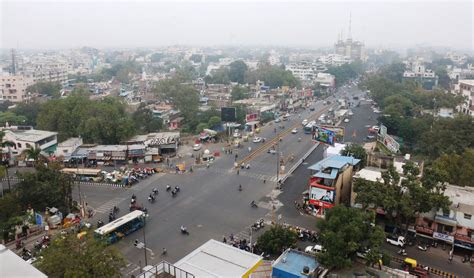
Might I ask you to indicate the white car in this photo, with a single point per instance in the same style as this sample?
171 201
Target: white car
277 120
396 240
313 250
351 113
376 128
237 135
272 151
197 147
346 120
294 131
257 139
304 122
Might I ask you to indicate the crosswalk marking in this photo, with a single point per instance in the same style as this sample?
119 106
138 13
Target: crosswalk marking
107 206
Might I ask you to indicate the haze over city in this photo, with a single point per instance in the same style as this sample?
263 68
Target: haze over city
43 24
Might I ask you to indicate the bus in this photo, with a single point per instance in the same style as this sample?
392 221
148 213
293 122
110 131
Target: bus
84 174
121 227
308 129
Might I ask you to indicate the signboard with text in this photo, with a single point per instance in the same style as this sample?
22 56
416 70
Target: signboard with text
322 197
443 237
228 114
251 117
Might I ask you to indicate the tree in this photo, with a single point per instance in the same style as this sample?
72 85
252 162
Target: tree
11 118
196 58
402 201
238 93
45 188
277 239
237 70
52 89
145 122
201 126
72 257
214 121
273 76
456 169
345 72
34 154
219 76
29 111
346 231
357 151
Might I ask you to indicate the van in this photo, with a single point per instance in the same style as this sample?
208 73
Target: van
396 240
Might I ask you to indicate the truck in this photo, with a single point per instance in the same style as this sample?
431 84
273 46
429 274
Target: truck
396 240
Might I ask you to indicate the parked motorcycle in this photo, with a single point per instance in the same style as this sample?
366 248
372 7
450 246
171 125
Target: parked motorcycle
422 247
253 204
402 252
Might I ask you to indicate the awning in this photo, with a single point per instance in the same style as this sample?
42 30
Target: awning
445 220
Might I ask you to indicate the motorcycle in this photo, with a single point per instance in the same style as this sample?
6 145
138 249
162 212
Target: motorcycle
258 224
402 252
184 231
100 223
174 192
466 259
155 191
240 187
116 210
422 247
168 187
253 204
151 199
177 189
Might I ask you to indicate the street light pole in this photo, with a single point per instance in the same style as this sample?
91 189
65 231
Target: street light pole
144 240
278 161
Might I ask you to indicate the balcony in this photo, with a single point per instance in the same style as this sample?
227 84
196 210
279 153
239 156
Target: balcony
463 238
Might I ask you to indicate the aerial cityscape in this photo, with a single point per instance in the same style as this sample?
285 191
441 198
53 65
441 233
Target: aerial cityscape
237 139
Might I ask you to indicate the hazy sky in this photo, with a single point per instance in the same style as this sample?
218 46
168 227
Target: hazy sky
41 24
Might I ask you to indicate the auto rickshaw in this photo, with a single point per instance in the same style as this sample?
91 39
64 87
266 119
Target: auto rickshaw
412 267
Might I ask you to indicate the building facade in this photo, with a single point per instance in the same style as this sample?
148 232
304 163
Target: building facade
13 88
465 88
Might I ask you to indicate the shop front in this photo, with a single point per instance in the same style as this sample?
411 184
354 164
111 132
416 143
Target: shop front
321 198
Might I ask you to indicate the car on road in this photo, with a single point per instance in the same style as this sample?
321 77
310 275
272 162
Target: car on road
257 139
294 131
311 109
237 135
304 122
277 120
346 120
377 111
313 250
396 240
350 113
197 147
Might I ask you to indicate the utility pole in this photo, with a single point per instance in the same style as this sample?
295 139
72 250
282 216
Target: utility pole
81 205
278 161
144 240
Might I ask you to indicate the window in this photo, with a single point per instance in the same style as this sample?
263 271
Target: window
446 213
448 229
467 216
19 145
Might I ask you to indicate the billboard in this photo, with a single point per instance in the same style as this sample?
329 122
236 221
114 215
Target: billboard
318 194
251 117
338 130
324 135
228 114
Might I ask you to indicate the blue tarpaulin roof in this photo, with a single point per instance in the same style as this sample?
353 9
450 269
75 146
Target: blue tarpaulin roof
334 161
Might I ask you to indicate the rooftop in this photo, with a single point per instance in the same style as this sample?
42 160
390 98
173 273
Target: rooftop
334 161
370 174
71 142
292 261
32 135
216 259
13 266
467 81
462 198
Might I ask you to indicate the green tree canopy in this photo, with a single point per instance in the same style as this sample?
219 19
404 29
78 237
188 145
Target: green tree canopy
29 111
237 70
214 121
346 72
356 151
11 118
458 169
276 240
218 76
72 257
52 89
346 231
145 122
273 76
239 92
97 121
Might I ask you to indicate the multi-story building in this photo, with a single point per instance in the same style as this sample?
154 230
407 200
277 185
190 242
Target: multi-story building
427 79
455 226
330 183
302 71
355 50
325 80
334 60
25 137
465 88
13 87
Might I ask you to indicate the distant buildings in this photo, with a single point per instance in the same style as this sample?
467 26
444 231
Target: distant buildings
352 49
417 72
13 87
465 88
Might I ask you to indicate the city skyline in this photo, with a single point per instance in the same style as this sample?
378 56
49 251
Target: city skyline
128 25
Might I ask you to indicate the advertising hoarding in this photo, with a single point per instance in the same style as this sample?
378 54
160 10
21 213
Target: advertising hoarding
228 114
338 130
322 195
324 135
251 117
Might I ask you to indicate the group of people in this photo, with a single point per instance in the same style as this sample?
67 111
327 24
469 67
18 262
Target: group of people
242 244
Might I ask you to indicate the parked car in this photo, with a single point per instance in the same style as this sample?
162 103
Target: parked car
294 131
313 250
304 122
311 109
277 120
257 139
346 120
197 147
396 240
